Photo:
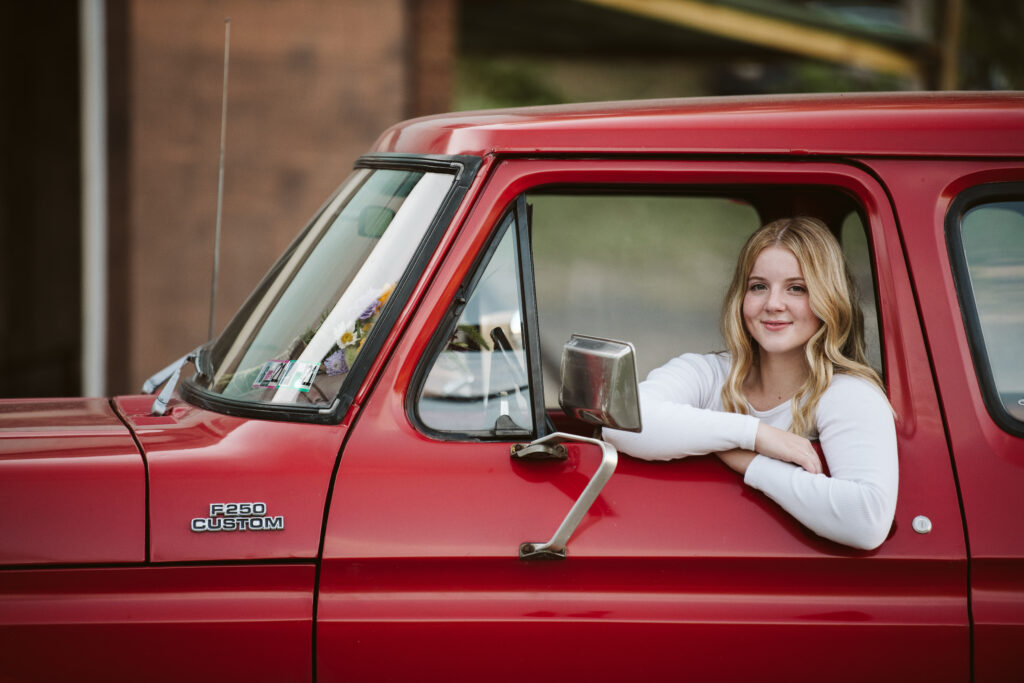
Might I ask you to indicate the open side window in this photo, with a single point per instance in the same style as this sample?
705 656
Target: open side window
641 263
651 264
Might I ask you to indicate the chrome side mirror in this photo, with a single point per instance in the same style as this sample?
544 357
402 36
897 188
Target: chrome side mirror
598 387
599 383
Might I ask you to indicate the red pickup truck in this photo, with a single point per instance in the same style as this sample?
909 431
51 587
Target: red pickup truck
369 474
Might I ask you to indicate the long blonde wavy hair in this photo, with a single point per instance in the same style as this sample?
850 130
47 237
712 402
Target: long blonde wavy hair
837 346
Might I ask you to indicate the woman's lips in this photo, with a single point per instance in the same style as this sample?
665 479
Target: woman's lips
775 325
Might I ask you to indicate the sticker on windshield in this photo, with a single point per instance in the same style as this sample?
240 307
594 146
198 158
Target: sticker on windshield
291 374
271 375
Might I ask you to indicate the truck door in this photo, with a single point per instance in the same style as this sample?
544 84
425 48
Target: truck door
677 570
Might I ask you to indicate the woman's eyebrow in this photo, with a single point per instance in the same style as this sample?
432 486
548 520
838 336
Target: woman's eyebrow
788 279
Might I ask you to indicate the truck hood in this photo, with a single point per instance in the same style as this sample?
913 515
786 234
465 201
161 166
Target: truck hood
72 484
50 415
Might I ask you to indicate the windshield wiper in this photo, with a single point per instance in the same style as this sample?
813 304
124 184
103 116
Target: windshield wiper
169 378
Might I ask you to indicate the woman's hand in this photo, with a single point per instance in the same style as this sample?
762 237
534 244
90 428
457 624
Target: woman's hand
782 445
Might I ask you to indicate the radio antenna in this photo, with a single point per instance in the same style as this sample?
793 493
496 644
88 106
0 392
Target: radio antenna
220 175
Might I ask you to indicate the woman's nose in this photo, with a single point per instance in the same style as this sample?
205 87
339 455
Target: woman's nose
775 301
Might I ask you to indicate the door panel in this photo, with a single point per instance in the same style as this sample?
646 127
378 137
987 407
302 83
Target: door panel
677 569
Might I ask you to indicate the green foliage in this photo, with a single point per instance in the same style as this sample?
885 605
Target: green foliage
488 83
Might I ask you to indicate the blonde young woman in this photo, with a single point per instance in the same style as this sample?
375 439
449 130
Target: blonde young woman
794 370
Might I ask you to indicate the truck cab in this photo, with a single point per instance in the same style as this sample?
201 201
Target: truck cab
353 480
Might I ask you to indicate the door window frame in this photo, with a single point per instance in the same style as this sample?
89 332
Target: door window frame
510 180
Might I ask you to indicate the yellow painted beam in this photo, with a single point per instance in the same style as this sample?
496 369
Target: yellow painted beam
949 76
771 32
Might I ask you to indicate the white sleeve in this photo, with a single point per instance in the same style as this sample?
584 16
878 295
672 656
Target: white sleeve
855 505
676 422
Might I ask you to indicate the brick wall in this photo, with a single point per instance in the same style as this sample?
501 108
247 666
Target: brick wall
311 85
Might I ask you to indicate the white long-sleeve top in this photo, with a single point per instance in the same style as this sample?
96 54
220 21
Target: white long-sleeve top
681 411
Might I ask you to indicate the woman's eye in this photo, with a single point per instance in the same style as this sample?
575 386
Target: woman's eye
798 289
758 287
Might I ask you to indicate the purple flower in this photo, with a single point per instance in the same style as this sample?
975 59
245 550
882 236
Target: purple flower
370 310
335 364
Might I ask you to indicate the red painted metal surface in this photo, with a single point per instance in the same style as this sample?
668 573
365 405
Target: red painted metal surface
906 124
675 562
989 462
72 484
230 623
678 570
197 458
591 619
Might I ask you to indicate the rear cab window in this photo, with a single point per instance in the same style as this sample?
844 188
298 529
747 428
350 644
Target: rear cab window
985 229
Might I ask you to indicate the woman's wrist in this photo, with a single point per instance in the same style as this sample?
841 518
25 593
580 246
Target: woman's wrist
737 459
776 443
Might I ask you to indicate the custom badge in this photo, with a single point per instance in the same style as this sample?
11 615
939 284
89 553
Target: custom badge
238 517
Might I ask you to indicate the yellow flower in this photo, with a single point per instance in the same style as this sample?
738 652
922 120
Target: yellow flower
386 294
347 338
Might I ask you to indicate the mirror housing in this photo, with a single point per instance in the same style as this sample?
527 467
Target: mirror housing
599 382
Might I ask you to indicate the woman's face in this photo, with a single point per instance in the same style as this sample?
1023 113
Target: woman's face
776 306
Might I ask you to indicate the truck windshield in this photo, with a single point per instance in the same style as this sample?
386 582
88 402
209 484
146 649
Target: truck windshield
296 338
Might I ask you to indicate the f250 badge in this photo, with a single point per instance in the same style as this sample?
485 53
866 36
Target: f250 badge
238 517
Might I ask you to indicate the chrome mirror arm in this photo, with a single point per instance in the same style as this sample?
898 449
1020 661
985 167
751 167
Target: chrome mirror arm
555 548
